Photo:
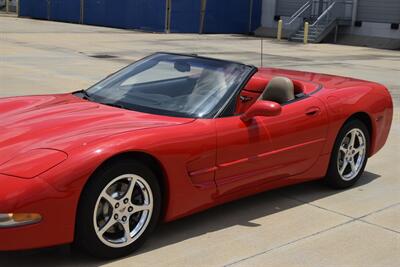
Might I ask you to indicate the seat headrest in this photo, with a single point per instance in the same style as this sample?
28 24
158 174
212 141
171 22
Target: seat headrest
279 89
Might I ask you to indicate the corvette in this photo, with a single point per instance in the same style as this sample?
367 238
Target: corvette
171 135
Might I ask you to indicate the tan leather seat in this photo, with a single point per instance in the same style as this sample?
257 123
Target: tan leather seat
279 89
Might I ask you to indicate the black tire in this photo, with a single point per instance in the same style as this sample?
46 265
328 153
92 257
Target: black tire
85 233
334 178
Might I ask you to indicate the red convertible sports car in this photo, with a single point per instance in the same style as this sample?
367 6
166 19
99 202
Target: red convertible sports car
171 135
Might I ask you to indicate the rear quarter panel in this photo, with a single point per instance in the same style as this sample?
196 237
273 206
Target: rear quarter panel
344 100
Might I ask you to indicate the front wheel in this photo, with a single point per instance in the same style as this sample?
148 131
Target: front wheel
119 208
349 156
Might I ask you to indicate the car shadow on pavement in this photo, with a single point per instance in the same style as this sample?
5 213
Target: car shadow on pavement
239 212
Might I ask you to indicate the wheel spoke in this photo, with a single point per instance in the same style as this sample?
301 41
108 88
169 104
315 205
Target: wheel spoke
352 165
352 138
360 149
343 149
131 187
127 230
138 208
343 167
112 201
107 226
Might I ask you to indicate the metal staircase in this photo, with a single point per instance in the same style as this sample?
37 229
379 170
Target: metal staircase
323 17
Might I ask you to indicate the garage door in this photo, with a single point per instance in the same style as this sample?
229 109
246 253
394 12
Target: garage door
37 9
127 14
185 15
148 15
387 11
288 7
227 16
67 11
109 13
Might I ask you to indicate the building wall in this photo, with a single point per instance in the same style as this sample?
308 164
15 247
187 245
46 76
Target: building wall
376 17
372 34
268 13
385 11
288 7
192 16
375 30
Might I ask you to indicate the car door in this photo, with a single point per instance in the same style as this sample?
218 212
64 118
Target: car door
269 148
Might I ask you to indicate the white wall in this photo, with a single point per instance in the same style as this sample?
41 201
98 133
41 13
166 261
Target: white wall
370 29
268 13
373 29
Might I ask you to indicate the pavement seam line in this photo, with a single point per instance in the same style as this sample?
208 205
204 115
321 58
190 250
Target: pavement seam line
352 219
290 242
319 207
380 210
379 226
360 218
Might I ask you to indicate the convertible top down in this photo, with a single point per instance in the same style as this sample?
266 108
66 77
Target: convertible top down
171 135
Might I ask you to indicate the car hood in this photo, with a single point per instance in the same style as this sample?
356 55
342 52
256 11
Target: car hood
62 121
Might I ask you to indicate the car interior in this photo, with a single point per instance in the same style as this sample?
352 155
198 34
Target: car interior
173 93
187 92
278 89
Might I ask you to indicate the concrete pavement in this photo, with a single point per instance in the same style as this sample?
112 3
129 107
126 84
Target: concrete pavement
303 225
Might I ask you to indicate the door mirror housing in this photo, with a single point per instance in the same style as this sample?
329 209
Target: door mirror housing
262 108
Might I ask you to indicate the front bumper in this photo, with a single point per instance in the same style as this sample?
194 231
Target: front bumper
34 196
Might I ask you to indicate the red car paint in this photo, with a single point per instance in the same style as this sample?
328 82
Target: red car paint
205 162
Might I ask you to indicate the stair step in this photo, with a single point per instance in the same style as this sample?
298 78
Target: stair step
313 33
301 38
308 33
295 38
302 35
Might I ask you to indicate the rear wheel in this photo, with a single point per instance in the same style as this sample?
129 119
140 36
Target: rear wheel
119 208
349 156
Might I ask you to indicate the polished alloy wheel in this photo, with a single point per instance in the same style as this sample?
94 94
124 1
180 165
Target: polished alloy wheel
352 153
123 210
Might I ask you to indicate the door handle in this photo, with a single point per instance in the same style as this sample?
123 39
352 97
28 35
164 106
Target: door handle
313 111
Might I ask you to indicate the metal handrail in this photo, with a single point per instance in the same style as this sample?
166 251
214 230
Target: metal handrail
299 12
325 13
335 13
8 4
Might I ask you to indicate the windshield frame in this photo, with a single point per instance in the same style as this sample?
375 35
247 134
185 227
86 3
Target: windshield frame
214 113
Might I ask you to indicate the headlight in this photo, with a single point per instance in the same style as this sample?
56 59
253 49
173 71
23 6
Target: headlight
18 219
33 163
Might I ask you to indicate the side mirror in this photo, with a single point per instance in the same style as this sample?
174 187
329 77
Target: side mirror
262 108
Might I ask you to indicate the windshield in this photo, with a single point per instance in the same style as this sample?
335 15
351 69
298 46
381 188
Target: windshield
174 85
